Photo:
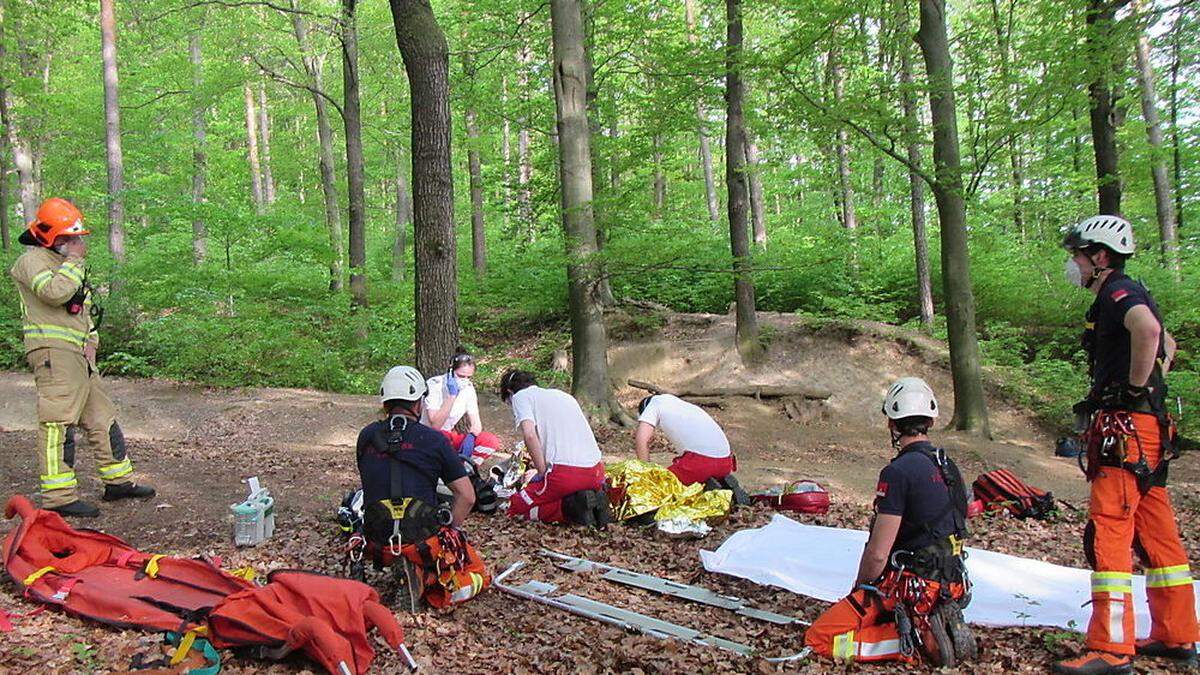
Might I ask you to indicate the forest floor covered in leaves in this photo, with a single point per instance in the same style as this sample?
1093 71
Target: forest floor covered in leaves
196 445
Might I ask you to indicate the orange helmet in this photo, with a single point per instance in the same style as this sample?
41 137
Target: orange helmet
55 217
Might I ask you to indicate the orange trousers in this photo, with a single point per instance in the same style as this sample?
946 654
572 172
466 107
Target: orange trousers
859 627
1121 518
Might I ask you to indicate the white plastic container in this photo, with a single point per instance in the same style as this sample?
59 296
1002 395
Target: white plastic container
254 519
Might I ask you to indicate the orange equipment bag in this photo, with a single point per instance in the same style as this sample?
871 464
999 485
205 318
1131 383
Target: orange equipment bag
452 569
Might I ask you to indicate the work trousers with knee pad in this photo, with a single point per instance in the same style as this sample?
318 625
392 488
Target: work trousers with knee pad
71 396
1122 518
859 627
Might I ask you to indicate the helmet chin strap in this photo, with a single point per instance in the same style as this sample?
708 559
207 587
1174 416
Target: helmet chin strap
1097 271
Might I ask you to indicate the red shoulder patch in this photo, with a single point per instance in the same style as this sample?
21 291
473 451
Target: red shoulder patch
1120 295
881 489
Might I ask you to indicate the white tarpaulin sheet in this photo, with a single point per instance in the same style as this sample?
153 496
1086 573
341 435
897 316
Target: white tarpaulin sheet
821 562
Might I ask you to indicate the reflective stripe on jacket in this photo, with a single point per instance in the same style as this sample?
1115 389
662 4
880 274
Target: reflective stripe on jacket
45 282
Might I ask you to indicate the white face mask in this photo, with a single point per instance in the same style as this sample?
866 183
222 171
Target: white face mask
1073 273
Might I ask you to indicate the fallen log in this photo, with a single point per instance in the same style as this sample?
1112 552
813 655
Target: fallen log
754 390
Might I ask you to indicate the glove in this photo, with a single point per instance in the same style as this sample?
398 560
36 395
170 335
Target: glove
452 385
467 448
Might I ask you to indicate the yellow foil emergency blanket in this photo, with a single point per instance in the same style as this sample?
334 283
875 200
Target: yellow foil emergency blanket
648 486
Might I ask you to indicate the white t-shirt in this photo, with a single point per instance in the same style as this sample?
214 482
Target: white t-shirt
686 425
561 426
465 402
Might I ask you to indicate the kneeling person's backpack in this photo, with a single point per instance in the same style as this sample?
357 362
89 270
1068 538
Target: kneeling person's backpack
452 569
1001 489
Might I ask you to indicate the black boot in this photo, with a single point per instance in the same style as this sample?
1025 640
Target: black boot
77 508
603 510
740 496
1185 655
580 508
127 491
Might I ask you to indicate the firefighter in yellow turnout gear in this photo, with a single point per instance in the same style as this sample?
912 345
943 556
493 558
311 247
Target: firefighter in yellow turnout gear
60 345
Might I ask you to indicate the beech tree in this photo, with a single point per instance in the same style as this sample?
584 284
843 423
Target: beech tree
112 133
737 182
589 340
426 58
970 404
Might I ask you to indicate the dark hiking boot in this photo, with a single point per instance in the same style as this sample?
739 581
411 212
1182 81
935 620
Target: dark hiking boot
961 637
127 491
740 496
603 510
580 508
77 508
1095 663
1157 648
936 645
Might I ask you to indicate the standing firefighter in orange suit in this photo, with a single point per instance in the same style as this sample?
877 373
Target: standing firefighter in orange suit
60 345
1130 439
911 584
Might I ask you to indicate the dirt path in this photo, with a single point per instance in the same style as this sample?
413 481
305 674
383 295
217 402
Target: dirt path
196 444
841 443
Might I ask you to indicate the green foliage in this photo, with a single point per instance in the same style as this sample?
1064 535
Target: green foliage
259 310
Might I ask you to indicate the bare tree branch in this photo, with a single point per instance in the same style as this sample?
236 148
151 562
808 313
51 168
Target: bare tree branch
173 92
862 131
236 4
269 72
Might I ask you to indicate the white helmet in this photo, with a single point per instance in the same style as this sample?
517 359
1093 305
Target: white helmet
1113 232
403 383
910 397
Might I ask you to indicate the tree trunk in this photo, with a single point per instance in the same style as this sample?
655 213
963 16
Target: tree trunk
1177 150
5 138
916 188
1003 29
112 134
314 66
525 225
355 179
506 153
660 179
706 160
877 169
1163 206
256 190
756 192
478 241
199 151
1101 16
736 181
403 223
970 406
614 180
604 292
845 184
426 58
264 130
3 181
589 342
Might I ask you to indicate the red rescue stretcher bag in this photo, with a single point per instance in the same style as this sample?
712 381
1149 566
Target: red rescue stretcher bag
97 576
1001 489
804 496
325 617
